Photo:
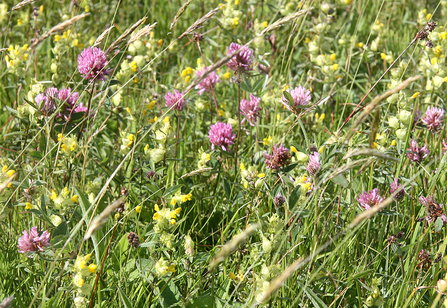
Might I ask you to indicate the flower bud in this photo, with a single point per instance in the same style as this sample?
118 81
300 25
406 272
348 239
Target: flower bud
405 116
301 157
442 285
401 133
393 122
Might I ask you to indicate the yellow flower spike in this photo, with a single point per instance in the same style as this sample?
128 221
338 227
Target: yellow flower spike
443 35
308 185
265 24
5 167
25 56
360 45
28 206
79 282
333 56
322 116
53 195
278 117
208 157
156 216
138 209
173 201
10 173
177 210
156 208
73 146
173 221
235 22
75 198
86 9
261 175
92 268
199 61
393 143
293 149
160 42
57 37
221 112
307 40
304 178
64 147
383 56
187 79
242 166
416 94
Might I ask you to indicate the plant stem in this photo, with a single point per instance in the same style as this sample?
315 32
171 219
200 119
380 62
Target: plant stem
238 120
88 110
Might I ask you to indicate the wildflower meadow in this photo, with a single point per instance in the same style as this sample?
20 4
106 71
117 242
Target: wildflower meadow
223 154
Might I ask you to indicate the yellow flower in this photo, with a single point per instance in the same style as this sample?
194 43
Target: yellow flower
86 9
156 216
235 22
321 149
188 78
160 42
138 209
232 276
261 175
173 201
307 40
293 149
360 45
335 66
416 94
333 56
267 140
57 37
19 22
173 221
242 166
28 206
157 208
383 56
393 143
53 195
75 42
443 35
75 198
92 268
265 24
41 8
428 16
226 76
434 60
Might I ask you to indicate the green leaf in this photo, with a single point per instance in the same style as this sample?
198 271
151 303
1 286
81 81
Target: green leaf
289 168
172 190
258 84
438 224
340 180
294 196
227 188
289 98
126 302
171 295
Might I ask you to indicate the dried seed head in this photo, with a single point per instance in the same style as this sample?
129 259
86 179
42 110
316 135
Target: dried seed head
197 36
401 234
429 44
123 191
133 239
313 148
279 200
422 35
151 174
263 69
431 26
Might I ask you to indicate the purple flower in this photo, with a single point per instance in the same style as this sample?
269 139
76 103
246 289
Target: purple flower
415 153
433 119
32 241
70 101
396 187
91 63
370 199
242 61
250 109
176 99
208 82
221 135
46 101
301 96
313 165
279 158
433 209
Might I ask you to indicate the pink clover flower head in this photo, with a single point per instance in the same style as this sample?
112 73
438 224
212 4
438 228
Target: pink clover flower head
32 241
301 96
370 199
240 62
221 135
396 187
45 101
91 64
433 209
433 119
176 99
313 166
208 82
250 109
70 101
415 153
279 158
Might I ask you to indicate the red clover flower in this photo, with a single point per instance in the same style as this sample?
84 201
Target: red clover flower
250 109
279 158
433 119
415 153
370 199
91 63
208 82
301 96
32 241
240 62
176 99
221 135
